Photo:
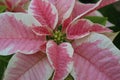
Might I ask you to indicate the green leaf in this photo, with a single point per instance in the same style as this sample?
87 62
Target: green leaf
2 9
3 64
97 19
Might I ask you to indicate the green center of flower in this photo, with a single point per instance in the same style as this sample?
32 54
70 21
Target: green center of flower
59 37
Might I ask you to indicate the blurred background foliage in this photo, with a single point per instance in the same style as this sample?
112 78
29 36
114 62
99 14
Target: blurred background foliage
3 64
112 12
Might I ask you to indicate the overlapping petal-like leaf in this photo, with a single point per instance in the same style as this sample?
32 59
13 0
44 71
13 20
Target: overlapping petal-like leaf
15 5
64 8
41 30
89 8
16 34
96 58
28 67
45 12
80 10
83 27
60 57
79 29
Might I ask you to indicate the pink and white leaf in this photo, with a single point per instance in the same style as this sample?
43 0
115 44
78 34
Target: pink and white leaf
45 12
43 47
79 9
96 58
82 27
99 28
16 34
15 5
89 8
28 67
78 29
60 57
64 8
103 3
41 30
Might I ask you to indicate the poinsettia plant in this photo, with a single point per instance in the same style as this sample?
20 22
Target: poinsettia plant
56 39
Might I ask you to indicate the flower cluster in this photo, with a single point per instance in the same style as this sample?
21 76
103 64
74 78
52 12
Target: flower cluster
54 38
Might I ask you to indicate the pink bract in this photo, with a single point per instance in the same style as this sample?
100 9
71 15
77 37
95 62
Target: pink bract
77 49
14 5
